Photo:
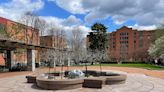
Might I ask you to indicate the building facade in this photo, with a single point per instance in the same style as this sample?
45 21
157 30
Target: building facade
18 32
13 31
128 44
58 43
53 41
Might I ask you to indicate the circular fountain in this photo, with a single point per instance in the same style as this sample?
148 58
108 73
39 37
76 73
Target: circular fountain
75 79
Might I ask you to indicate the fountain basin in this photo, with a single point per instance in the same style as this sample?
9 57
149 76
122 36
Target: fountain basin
96 79
59 84
118 79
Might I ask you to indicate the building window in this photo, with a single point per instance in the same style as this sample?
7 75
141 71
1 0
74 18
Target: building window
2 26
124 33
141 43
141 37
140 33
148 37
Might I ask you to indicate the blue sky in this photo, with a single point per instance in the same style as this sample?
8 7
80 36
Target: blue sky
69 14
52 9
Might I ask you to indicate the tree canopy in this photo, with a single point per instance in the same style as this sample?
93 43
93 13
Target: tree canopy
157 49
99 37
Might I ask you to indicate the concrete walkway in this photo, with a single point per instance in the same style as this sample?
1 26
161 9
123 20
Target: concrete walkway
135 83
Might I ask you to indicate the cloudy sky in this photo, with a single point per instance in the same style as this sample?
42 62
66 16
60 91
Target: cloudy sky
70 14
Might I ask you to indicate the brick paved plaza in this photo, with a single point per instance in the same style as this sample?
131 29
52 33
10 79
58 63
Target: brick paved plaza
136 82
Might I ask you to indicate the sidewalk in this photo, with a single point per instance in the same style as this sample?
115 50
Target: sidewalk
12 74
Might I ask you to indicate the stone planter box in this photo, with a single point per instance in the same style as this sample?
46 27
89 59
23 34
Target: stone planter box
118 79
31 79
94 82
63 84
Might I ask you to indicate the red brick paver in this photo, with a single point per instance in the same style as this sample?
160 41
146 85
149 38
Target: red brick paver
11 74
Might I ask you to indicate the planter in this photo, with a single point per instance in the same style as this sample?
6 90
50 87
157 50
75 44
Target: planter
58 84
118 79
94 82
31 79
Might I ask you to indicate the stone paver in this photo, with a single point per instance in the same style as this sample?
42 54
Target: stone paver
135 83
153 73
11 74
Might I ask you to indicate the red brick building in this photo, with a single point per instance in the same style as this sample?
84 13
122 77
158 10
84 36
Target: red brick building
129 44
53 41
17 32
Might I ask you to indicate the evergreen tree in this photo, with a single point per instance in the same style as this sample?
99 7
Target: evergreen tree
98 38
99 42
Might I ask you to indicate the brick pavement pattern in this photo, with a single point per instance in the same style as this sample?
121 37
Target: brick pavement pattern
135 83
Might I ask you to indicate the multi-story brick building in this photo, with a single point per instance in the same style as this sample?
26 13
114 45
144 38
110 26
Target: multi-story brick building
128 44
14 31
18 32
53 41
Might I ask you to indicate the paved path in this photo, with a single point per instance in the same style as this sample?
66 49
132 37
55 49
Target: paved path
11 74
153 73
134 83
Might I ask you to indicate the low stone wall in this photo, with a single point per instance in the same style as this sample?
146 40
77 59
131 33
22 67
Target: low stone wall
94 82
63 84
31 79
115 79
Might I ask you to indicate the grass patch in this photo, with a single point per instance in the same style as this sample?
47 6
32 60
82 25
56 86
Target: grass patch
145 66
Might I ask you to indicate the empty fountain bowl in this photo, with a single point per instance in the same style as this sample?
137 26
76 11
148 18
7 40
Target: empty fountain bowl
75 74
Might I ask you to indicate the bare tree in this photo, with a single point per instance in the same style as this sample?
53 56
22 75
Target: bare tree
34 22
41 24
59 42
76 43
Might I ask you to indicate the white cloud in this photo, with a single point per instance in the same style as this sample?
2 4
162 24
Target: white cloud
72 20
73 6
144 12
15 8
136 26
68 24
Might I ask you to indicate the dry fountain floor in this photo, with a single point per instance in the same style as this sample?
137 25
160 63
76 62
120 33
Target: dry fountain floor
134 83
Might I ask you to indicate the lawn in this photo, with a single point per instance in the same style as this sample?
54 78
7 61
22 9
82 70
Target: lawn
145 66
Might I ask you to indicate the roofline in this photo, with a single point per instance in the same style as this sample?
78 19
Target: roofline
20 23
131 29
